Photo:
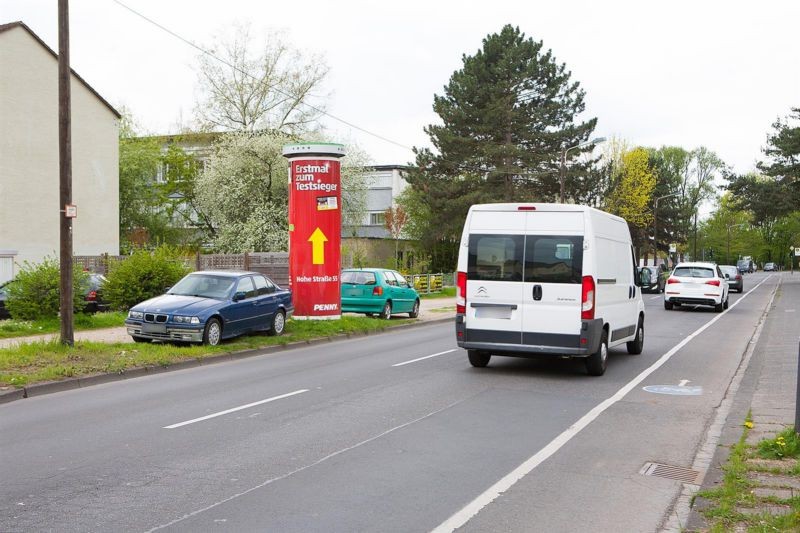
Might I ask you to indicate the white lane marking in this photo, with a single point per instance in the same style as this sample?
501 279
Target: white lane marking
426 357
656 297
462 516
683 383
302 468
233 410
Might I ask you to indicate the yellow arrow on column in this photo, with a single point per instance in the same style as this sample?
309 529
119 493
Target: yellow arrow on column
318 240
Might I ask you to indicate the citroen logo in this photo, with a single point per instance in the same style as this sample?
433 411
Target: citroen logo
481 291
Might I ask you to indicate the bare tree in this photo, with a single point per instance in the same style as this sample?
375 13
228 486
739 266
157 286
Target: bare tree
249 85
395 220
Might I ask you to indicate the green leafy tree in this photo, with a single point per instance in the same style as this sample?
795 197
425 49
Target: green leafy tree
143 275
506 116
783 153
633 192
141 202
35 291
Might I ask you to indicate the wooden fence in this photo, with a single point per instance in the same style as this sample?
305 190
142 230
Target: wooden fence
273 264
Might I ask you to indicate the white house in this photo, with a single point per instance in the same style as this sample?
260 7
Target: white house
29 171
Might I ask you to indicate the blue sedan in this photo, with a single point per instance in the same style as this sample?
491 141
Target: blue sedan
207 307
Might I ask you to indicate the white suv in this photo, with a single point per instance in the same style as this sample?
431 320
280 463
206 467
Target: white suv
696 284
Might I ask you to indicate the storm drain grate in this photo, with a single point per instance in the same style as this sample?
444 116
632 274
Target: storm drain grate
678 473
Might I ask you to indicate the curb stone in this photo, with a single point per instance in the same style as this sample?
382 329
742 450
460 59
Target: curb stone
49 387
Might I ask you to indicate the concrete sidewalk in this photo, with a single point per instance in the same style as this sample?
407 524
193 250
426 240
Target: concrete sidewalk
768 388
430 309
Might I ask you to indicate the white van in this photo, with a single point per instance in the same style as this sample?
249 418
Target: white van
556 279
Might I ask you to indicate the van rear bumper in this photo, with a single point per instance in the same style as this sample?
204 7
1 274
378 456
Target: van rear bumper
525 344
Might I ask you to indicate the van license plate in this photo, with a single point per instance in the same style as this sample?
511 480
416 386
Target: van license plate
493 312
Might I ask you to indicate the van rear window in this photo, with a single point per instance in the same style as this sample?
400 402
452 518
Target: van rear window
553 259
532 258
495 257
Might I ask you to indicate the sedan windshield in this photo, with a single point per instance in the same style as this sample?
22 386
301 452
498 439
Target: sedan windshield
204 286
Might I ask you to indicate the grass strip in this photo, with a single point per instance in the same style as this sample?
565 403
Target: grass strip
10 329
726 502
446 292
37 362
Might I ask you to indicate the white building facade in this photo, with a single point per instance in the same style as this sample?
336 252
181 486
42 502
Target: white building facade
29 159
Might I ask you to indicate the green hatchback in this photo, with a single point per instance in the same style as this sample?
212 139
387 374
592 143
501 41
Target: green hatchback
378 290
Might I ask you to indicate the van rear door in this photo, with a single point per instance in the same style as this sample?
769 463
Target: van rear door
551 299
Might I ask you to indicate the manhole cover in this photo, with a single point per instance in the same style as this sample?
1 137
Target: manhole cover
678 473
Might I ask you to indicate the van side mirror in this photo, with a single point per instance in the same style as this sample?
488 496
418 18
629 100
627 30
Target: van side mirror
727 276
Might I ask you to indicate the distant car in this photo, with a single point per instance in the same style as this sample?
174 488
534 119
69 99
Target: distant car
378 291
697 283
209 306
770 267
93 297
734 277
652 279
745 266
3 297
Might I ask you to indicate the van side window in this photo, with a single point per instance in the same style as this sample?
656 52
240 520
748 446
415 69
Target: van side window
553 259
495 257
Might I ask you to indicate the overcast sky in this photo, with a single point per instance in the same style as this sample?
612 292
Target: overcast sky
687 73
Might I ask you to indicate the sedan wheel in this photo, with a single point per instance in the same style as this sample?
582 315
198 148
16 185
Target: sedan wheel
213 333
415 311
278 324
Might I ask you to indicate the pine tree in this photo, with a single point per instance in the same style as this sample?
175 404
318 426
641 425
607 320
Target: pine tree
506 116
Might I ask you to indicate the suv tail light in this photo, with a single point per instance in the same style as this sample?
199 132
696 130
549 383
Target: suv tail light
92 296
714 282
377 291
587 298
461 293
672 280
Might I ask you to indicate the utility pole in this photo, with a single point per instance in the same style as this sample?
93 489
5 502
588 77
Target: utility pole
65 175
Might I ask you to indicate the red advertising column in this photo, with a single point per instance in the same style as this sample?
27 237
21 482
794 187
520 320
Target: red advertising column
315 229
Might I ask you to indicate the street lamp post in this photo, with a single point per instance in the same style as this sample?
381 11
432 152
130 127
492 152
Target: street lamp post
655 225
562 175
728 252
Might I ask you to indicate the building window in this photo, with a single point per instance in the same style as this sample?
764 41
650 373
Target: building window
377 219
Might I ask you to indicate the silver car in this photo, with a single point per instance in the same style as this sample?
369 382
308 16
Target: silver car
734 277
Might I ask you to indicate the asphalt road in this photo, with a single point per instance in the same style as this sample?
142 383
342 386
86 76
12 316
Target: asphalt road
391 432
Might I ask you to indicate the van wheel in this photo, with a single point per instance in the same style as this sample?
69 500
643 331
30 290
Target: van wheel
386 314
415 311
596 363
478 359
637 344
667 305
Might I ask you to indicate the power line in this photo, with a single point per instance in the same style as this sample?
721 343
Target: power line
273 87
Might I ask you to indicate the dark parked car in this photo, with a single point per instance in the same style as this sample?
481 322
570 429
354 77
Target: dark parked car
94 294
378 291
653 279
734 277
3 297
206 307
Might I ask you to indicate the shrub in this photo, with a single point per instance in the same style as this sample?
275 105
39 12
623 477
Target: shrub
143 275
35 292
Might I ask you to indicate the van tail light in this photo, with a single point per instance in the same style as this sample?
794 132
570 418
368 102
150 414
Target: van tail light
377 291
672 280
92 296
587 298
714 282
461 293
